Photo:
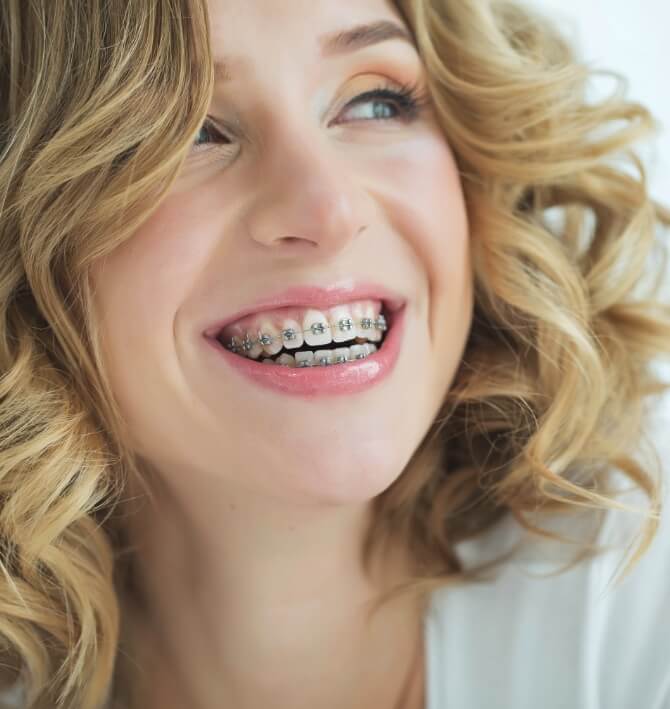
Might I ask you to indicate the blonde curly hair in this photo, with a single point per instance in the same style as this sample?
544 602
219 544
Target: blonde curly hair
99 104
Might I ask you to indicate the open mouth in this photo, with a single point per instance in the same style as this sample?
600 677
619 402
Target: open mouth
304 337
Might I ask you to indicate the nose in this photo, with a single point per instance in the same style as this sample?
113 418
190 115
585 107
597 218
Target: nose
309 204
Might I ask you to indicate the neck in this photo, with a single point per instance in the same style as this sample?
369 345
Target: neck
249 603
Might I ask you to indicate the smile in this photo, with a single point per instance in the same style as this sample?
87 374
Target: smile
302 351
295 338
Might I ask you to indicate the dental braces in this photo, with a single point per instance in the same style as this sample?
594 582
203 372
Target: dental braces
323 361
318 328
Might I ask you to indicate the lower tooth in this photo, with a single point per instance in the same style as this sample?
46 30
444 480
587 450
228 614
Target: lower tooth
304 359
287 360
325 358
341 355
358 352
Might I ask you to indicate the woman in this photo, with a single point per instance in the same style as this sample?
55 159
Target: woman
312 313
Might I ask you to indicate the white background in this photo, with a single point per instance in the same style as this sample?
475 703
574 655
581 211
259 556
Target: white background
631 37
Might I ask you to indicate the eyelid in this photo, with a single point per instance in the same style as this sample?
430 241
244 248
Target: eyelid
411 95
405 93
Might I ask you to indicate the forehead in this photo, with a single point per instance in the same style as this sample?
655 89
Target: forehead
246 31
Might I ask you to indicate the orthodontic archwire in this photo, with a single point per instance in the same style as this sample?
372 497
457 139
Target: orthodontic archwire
318 328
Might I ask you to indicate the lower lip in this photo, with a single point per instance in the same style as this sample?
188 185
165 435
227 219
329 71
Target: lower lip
350 378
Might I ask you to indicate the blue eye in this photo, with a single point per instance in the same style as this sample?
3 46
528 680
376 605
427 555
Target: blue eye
405 104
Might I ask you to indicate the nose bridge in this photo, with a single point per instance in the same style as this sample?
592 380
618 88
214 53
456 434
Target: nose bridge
306 196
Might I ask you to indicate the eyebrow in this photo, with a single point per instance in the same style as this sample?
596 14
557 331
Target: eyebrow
335 43
361 36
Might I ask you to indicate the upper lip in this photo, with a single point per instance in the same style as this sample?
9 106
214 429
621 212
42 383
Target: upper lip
316 297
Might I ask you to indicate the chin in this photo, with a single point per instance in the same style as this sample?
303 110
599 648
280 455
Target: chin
346 476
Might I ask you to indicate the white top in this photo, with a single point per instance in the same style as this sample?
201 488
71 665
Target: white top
571 641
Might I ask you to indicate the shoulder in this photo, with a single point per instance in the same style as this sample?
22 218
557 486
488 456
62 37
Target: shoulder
537 635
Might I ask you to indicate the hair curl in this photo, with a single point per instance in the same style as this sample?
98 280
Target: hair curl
99 103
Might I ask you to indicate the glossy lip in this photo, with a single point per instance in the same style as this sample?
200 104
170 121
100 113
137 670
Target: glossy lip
314 297
311 382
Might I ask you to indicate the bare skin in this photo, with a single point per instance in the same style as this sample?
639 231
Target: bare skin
250 558
334 657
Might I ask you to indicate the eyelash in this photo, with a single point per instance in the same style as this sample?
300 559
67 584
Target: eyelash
407 98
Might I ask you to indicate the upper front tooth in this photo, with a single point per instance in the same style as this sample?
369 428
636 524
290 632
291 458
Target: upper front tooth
316 328
344 327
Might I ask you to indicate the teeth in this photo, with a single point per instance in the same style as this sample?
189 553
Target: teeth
287 360
363 319
251 348
316 328
345 327
304 359
358 352
268 337
291 333
340 353
324 358
369 316
341 324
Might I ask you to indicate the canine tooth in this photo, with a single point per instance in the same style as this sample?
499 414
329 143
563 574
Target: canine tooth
316 328
286 359
304 359
291 332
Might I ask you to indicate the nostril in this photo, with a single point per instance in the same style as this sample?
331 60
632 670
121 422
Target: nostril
296 239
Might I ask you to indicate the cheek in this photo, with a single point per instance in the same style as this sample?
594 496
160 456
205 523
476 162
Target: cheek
422 184
138 289
152 273
429 206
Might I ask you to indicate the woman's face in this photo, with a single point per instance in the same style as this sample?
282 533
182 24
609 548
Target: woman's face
302 204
